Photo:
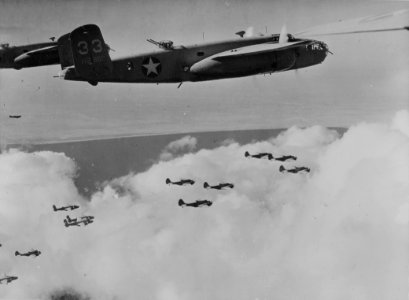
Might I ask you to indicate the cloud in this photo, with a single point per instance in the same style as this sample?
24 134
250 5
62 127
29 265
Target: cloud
182 145
340 232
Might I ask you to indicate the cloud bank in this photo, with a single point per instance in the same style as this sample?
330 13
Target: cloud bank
340 232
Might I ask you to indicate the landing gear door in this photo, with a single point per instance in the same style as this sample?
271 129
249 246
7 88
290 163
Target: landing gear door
90 53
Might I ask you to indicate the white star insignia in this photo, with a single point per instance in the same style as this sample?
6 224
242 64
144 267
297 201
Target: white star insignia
151 67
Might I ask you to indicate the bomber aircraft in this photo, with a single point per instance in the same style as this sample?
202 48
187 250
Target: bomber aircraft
29 253
197 203
285 157
261 155
84 56
180 182
219 186
64 208
8 279
294 170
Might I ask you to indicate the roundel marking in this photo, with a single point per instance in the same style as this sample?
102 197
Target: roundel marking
151 67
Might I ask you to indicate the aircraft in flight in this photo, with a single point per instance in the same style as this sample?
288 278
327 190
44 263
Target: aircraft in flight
197 203
14 116
29 253
84 56
261 155
219 186
180 182
64 208
86 220
31 55
285 157
294 170
7 279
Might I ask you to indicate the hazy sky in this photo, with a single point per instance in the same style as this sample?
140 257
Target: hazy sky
366 79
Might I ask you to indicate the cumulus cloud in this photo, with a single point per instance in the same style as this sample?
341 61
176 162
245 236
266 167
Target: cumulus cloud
182 145
340 232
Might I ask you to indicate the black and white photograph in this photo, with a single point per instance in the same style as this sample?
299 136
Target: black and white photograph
197 150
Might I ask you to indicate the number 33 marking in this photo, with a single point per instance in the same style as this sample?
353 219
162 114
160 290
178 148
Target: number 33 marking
83 47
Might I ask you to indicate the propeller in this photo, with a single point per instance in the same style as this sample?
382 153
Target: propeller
283 35
351 32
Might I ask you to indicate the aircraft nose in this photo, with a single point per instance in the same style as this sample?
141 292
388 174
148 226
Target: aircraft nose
326 48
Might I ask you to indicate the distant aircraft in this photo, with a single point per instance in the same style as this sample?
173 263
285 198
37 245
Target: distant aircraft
285 157
29 253
267 155
32 55
8 279
180 182
294 170
75 222
87 219
69 207
197 203
72 223
219 186
14 116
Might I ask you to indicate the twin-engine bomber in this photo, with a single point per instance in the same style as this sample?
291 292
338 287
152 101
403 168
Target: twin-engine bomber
84 56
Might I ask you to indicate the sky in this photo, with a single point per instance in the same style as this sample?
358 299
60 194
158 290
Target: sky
365 80
339 232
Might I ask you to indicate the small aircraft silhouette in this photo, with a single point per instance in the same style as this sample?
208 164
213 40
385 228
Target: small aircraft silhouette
267 155
14 116
69 207
8 279
294 170
219 186
197 203
75 222
29 253
285 157
180 182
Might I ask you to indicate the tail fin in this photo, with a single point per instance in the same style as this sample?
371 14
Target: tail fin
54 208
181 202
168 181
90 53
205 185
246 154
282 169
16 253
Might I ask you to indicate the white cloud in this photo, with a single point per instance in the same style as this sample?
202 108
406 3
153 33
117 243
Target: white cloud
337 233
182 145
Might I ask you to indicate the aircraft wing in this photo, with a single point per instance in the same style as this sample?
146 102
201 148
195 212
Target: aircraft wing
255 59
257 49
41 54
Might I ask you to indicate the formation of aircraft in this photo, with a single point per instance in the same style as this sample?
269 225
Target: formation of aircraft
29 253
197 203
219 186
7 279
86 220
294 170
261 155
84 56
65 208
180 182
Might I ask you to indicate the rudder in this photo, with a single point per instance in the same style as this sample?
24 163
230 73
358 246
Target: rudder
90 53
